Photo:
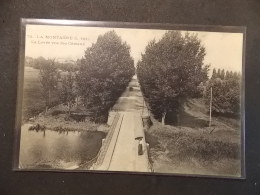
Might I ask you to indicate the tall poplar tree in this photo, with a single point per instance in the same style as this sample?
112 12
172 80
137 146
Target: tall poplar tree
170 71
104 72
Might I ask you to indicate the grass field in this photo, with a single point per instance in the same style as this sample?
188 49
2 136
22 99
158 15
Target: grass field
192 147
33 101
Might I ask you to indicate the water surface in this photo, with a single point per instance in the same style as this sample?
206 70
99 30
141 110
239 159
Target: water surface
61 150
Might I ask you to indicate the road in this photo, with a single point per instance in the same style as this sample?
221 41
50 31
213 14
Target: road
122 150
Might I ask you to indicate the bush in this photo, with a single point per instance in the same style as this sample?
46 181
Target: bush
185 144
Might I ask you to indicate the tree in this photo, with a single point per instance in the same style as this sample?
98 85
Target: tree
170 71
222 74
37 63
227 76
214 73
49 77
67 92
219 73
104 73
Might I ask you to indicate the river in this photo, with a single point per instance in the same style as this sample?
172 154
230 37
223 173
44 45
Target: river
60 150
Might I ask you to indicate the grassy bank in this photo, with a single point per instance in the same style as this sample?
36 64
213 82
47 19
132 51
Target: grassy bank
192 148
57 119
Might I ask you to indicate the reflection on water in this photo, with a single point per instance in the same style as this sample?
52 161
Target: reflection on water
62 150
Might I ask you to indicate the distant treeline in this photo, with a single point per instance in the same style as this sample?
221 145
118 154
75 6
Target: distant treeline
67 65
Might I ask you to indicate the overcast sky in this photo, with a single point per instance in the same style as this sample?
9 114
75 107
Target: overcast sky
223 50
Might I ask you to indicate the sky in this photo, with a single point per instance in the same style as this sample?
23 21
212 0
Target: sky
223 50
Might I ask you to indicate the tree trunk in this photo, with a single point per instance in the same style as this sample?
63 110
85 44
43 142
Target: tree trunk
47 101
163 118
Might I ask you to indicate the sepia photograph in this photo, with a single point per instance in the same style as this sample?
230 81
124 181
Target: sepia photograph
149 99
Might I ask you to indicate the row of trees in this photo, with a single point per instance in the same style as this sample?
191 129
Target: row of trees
171 71
225 92
103 74
222 74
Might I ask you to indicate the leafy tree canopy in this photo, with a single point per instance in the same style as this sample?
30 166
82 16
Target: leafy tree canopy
49 77
104 72
171 70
